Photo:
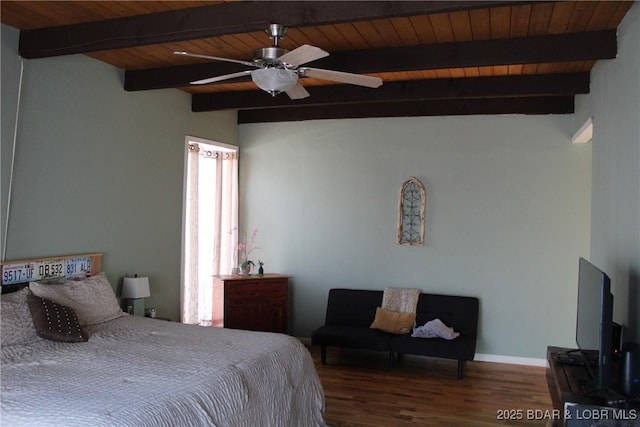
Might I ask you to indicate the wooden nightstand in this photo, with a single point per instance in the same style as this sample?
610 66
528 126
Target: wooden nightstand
255 302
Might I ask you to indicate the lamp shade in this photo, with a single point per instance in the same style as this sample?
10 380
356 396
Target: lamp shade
135 287
274 80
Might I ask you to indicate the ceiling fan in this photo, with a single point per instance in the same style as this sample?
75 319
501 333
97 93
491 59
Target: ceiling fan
277 69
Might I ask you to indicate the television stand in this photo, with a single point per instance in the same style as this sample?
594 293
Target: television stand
578 404
575 358
570 357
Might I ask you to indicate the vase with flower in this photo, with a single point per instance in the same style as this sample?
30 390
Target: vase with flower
245 248
246 266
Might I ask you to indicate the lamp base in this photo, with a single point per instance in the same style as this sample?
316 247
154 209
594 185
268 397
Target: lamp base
132 306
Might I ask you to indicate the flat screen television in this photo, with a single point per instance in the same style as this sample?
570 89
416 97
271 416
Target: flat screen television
594 325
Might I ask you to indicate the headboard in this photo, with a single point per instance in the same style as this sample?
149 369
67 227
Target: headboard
17 273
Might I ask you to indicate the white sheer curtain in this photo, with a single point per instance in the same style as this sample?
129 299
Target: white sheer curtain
210 226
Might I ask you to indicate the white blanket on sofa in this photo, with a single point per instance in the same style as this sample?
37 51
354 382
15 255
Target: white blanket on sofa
435 329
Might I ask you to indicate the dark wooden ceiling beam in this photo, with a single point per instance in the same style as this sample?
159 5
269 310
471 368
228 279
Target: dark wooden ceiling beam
469 88
220 19
440 107
526 50
523 50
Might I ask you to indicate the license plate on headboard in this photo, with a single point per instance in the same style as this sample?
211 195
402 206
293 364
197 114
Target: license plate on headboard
50 269
18 273
78 267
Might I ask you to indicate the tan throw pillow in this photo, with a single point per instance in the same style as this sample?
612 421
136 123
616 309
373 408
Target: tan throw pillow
393 321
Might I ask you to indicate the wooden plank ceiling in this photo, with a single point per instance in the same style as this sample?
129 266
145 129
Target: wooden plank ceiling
434 57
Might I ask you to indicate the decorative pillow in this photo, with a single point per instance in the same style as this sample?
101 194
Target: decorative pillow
91 298
393 321
55 322
16 325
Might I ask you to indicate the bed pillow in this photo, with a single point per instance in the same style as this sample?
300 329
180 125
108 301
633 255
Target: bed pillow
54 321
393 321
16 325
92 298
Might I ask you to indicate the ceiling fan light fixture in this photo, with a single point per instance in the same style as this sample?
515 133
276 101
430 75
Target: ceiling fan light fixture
274 80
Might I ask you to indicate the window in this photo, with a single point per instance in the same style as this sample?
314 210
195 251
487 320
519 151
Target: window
210 223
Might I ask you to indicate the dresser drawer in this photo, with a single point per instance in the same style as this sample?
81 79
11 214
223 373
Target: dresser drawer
256 291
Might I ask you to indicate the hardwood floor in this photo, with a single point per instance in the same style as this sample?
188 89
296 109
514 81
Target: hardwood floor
420 391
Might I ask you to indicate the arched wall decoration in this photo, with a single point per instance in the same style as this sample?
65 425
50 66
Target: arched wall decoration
411 213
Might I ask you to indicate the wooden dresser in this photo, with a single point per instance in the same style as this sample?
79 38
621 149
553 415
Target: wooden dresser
255 302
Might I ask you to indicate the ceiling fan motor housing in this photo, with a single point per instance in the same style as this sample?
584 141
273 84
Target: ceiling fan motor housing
268 55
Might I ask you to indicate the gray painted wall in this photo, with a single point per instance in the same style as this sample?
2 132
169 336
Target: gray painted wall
10 69
507 216
98 169
614 104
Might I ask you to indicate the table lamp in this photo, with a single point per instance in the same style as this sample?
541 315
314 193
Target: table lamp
134 290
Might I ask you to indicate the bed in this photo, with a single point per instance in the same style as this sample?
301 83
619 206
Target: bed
112 369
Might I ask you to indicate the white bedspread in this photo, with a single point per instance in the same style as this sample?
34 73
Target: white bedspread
136 371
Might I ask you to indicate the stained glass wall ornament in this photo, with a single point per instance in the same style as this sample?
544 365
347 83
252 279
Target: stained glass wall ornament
411 213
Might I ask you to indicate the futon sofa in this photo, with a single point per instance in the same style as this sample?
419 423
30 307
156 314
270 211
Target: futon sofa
350 313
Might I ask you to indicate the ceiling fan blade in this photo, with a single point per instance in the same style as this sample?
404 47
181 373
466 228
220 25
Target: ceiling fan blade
217 58
302 55
339 76
297 92
221 78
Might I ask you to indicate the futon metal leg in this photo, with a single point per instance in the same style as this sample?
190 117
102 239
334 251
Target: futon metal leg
460 364
323 354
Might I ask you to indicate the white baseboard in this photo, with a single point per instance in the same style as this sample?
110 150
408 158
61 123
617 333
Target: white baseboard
480 357
512 360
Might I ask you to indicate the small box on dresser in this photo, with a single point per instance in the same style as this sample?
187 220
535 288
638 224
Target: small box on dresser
252 302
